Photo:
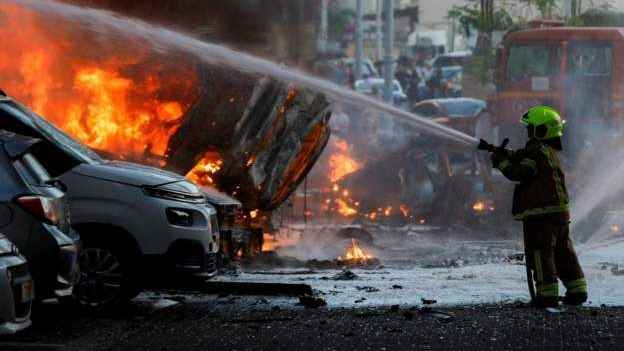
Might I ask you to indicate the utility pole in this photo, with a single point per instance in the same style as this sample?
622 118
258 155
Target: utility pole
359 39
323 32
388 45
379 33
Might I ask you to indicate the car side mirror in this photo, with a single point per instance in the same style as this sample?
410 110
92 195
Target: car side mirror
57 183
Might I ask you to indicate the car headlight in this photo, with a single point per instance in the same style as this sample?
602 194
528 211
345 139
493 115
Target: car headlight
7 247
180 217
176 192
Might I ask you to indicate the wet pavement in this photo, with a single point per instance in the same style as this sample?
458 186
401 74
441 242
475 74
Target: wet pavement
259 323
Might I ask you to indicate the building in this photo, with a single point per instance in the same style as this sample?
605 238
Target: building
406 15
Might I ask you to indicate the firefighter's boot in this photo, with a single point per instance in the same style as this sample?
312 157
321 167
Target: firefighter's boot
569 269
576 292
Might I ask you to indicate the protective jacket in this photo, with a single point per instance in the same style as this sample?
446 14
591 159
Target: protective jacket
541 188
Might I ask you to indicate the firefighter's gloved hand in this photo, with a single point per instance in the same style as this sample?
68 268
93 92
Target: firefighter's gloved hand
498 157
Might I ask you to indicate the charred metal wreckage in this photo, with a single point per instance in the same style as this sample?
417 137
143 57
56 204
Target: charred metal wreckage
265 136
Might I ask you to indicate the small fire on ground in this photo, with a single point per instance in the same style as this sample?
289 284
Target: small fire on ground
356 256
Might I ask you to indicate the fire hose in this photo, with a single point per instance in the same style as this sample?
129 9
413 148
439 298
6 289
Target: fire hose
483 145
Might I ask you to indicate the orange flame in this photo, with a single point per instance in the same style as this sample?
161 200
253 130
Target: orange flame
269 242
341 163
344 208
405 210
204 171
112 97
479 206
355 252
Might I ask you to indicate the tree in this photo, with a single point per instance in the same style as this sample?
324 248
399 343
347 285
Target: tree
598 18
485 19
340 21
545 7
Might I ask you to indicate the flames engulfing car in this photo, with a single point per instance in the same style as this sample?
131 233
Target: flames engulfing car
135 221
35 216
16 289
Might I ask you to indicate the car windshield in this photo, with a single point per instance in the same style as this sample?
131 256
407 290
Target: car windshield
450 72
539 60
462 108
367 86
590 59
396 87
76 149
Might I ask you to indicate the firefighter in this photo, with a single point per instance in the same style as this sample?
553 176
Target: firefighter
541 202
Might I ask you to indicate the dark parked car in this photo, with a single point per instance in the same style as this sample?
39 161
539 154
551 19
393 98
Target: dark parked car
458 113
34 215
16 289
457 58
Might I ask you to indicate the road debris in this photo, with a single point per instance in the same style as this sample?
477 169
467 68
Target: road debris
368 289
345 275
428 302
309 301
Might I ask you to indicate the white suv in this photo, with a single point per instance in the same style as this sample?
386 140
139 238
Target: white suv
135 222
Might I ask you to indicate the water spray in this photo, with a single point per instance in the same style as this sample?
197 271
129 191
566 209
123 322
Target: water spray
163 39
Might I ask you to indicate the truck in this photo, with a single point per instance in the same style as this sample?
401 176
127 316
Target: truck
577 70
580 72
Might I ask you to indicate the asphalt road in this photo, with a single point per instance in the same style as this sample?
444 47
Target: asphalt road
254 323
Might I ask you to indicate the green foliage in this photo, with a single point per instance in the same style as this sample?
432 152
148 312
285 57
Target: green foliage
470 16
598 18
545 7
339 22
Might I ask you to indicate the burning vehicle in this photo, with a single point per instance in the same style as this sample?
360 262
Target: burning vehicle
35 213
110 202
16 289
418 179
248 136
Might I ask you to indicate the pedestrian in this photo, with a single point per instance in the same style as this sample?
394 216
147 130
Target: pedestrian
541 202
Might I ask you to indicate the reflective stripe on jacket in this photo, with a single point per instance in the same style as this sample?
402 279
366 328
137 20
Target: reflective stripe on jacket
541 188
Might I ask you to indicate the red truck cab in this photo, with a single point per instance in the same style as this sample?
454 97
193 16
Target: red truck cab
578 71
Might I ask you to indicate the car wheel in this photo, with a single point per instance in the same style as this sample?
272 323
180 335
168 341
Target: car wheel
106 278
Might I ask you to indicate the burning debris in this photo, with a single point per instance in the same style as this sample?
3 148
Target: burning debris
341 163
251 137
356 256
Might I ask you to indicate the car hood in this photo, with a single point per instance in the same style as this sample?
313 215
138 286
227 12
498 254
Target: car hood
128 173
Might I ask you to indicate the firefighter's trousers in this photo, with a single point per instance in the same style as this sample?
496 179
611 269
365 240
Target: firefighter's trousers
550 255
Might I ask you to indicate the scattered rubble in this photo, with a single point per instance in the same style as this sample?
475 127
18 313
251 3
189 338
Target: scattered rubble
345 275
613 267
428 302
443 316
309 301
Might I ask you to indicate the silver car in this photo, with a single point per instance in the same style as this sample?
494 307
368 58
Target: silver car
16 289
